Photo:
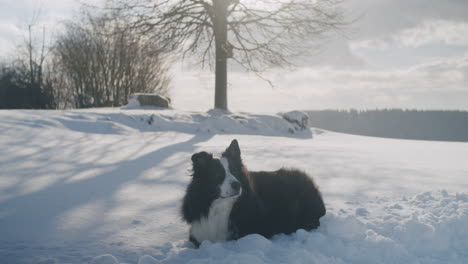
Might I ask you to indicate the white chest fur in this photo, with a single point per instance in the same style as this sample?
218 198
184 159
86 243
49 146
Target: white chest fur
214 227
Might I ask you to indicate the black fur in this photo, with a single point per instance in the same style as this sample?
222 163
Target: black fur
272 202
202 190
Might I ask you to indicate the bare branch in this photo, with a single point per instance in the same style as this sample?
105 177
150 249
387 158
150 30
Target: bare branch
256 34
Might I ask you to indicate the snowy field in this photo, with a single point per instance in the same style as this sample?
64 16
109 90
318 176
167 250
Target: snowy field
104 186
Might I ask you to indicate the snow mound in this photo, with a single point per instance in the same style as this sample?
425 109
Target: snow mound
427 228
133 103
147 101
104 259
212 122
299 119
146 259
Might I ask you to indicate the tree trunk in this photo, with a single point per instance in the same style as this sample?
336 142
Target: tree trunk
220 31
32 81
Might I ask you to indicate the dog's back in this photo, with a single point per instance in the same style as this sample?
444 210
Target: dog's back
282 201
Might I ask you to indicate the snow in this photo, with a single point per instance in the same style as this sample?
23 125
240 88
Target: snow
298 118
105 186
104 259
133 102
427 228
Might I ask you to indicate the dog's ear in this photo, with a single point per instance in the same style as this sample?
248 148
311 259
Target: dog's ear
233 150
200 160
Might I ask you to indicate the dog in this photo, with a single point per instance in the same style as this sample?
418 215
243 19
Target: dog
224 201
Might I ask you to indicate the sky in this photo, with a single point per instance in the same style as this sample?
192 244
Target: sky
396 54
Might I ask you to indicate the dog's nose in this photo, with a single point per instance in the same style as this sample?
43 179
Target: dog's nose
235 185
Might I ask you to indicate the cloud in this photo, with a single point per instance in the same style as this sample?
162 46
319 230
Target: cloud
42 14
440 84
434 32
437 31
377 18
334 52
10 34
406 30
9 29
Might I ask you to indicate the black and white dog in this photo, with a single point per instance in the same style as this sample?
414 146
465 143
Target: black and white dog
224 201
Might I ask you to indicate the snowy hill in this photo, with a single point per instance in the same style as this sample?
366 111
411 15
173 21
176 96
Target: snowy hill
104 186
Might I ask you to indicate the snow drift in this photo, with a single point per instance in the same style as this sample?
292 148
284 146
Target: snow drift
427 228
104 186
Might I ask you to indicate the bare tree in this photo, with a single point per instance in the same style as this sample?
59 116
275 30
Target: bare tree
254 33
25 81
103 61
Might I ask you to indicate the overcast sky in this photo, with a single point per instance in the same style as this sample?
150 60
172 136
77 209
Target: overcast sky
399 53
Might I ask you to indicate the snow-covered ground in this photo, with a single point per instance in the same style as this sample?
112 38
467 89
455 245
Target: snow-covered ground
104 186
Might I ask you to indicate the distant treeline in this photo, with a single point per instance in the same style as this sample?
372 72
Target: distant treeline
395 123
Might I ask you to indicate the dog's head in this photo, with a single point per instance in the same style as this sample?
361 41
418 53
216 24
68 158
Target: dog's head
220 177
